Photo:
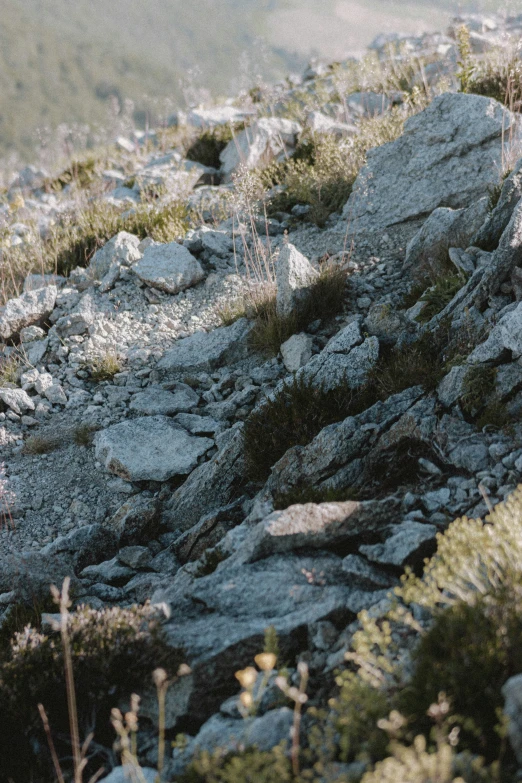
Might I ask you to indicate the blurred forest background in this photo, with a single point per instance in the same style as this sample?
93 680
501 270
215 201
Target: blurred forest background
94 61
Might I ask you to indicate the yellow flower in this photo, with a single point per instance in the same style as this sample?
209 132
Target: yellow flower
266 661
246 699
247 677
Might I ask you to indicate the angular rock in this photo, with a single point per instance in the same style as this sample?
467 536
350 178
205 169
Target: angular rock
211 486
294 275
296 351
32 307
448 156
17 399
157 401
55 394
121 249
171 268
364 575
229 734
451 387
198 425
207 350
445 228
208 532
329 369
153 448
135 557
259 144
409 543
313 526
110 572
135 522
512 693
488 235
347 338
318 122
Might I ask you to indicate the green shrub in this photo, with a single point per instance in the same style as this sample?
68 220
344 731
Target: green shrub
104 368
439 295
81 172
208 146
465 63
250 766
113 653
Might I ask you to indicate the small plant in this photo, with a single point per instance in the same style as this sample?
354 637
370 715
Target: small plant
465 63
41 444
477 387
325 300
438 296
210 561
104 368
79 172
83 434
10 368
232 312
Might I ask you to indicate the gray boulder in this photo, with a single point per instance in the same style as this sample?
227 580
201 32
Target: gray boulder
444 229
207 350
294 276
32 307
259 144
409 543
488 235
121 249
211 486
448 156
296 351
157 401
136 521
171 268
17 400
153 448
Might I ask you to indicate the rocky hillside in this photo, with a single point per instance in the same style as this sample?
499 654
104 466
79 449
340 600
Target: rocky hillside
250 372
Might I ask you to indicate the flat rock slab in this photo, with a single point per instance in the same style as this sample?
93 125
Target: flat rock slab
153 448
207 350
171 268
156 401
448 156
28 309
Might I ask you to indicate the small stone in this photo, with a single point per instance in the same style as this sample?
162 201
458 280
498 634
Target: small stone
17 400
171 268
294 276
135 557
296 351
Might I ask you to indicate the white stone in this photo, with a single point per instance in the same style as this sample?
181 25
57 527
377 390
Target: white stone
122 248
171 268
43 382
294 275
296 351
258 145
153 448
28 309
157 401
55 394
17 400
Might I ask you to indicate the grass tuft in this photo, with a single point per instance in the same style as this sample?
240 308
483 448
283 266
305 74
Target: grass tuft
438 296
41 444
83 434
104 368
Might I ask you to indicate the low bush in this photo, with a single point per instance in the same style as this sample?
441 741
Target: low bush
113 652
80 172
439 295
208 146
41 444
104 368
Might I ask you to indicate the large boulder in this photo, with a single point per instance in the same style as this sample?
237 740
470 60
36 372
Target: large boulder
171 268
259 144
153 448
207 350
32 307
448 156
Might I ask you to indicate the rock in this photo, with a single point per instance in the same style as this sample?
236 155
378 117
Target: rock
153 448
364 575
229 734
509 329
294 276
445 228
512 693
259 144
31 333
318 122
208 532
135 557
470 455
508 380
121 249
347 338
171 268
448 156
17 400
409 543
79 319
451 387
488 235
55 394
385 322
43 382
296 351
198 425
110 572
217 115
121 775
32 307
207 350
368 104
157 401
135 522
211 486
35 281
313 526
329 369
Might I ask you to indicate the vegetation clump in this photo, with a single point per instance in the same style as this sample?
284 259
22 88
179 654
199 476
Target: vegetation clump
438 296
104 368
209 145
